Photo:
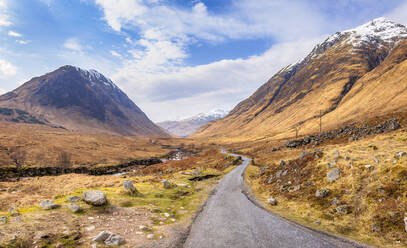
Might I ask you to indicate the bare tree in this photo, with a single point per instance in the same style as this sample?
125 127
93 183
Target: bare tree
18 156
64 160
297 131
320 121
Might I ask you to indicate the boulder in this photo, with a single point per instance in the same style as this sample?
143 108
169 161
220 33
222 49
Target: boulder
75 208
109 239
74 198
333 175
322 193
49 204
272 201
129 187
342 209
94 198
145 228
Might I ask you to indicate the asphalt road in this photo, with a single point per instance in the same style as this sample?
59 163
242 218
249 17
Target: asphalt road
230 219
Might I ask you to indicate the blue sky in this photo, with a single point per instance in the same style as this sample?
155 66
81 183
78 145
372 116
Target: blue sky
174 58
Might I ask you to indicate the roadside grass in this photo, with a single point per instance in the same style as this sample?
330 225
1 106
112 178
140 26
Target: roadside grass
372 183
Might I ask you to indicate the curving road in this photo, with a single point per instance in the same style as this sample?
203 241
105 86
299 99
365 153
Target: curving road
230 219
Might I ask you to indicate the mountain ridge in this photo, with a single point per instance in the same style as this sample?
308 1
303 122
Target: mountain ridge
81 100
295 95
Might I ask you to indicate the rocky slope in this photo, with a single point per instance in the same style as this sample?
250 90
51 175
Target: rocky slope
353 75
80 100
187 126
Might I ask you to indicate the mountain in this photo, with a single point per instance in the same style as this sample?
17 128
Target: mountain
185 127
354 75
80 100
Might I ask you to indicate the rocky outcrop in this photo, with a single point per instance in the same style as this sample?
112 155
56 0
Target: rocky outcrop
353 132
49 204
10 173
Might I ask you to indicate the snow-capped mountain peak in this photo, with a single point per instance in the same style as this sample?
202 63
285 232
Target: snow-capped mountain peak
214 114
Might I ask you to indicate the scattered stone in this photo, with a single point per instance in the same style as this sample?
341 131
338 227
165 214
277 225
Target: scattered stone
376 227
167 184
284 173
49 204
12 209
15 213
17 219
75 208
272 201
74 198
400 155
278 174
294 188
381 190
342 209
150 236
336 154
90 228
270 180
145 228
347 158
41 235
173 220
405 222
196 173
94 198
334 201
303 154
329 166
333 175
375 160
167 215
318 222
109 239
139 233
129 187
322 193
182 185
3 219
369 166
282 163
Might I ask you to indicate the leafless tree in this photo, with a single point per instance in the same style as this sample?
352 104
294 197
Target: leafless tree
18 156
64 160
297 131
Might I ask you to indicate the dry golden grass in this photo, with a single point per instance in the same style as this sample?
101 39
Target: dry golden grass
181 201
42 146
376 195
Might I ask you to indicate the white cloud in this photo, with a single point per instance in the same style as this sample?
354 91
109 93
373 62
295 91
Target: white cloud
14 34
217 85
116 54
4 19
7 69
74 45
399 14
23 42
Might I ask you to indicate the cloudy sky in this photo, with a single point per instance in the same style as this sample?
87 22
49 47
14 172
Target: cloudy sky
174 58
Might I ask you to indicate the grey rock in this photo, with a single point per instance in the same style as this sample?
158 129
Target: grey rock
3 219
405 222
303 154
270 180
375 160
294 188
369 166
18 219
282 163
49 204
74 198
75 208
322 193
129 187
145 228
336 154
376 227
114 240
167 184
343 209
334 201
278 174
284 173
94 198
150 236
400 155
272 201
333 175
102 236
196 173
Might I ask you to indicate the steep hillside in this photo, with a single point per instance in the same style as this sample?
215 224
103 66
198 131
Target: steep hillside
80 100
186 127
353 75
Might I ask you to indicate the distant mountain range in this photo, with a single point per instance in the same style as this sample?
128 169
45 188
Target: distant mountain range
353 76
187 126
78 100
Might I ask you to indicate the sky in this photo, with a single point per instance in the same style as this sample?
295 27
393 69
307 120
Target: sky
174 58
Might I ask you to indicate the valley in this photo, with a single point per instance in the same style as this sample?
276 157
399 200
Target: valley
315 157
